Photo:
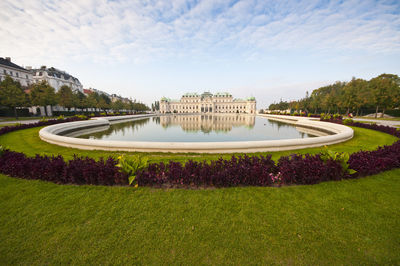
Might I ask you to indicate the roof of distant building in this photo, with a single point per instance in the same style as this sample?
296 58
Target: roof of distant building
189 94
54 72
6 62
223 94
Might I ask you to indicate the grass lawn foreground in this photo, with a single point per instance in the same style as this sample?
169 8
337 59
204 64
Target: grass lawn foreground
346 222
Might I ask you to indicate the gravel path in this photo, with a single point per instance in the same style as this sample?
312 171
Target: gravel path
379 122
20 121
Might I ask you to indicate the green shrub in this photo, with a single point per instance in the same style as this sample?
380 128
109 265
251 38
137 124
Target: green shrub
83 117
348 121
340 157
131 165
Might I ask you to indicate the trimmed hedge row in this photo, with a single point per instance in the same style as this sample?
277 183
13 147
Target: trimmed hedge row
78 171
237 171
246 170
242 171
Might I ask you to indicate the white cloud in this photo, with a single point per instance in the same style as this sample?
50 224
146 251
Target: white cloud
214 32
104 31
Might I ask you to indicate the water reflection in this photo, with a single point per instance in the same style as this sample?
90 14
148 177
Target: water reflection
200 128
207 123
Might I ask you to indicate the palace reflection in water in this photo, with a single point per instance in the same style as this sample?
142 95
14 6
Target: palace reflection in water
198 128
207 123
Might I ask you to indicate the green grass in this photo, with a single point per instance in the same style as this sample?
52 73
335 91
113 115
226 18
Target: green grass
28 142
347 222
8 125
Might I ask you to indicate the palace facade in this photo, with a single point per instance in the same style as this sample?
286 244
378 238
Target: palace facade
208 103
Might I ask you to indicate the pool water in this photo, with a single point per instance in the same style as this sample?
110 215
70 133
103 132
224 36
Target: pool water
200 128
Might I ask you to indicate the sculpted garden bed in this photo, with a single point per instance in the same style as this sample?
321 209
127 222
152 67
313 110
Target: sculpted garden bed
237 171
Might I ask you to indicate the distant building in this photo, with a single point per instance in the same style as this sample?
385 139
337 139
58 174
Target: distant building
115 97
56 78
16 72
208 103
91 90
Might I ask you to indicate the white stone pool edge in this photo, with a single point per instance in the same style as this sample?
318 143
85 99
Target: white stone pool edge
49 134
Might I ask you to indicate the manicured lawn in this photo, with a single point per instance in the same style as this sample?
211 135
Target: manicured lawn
8 124
347 222
28 142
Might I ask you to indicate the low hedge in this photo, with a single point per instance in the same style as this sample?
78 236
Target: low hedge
238 171
78 171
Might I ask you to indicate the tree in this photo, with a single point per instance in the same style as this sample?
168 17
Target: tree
92 100
363 94
103 102
118 105
80 100
42 94
12 95
65 97
385 89
155 106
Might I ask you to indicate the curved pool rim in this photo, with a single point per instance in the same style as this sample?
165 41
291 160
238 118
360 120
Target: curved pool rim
49 134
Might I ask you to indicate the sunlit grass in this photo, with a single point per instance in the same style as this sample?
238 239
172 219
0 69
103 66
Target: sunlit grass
346 222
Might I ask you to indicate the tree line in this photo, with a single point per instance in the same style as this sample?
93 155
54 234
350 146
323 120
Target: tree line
380 93
12 95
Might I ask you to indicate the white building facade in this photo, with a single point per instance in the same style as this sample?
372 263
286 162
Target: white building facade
56 78
208 103
16 72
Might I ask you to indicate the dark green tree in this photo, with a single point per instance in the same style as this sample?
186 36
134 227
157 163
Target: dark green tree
65 97
117 105
384 89
42 94
80 100
12 95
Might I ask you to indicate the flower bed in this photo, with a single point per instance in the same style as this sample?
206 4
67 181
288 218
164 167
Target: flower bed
238 171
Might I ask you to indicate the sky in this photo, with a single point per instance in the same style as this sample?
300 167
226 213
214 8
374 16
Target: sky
271 50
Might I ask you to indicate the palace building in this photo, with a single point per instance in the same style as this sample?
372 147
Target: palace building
208 103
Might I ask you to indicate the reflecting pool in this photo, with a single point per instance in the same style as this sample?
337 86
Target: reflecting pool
199 128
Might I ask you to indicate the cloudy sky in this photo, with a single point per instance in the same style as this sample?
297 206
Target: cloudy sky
149 49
